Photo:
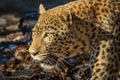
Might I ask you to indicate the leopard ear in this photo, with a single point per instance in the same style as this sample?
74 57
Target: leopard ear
42 9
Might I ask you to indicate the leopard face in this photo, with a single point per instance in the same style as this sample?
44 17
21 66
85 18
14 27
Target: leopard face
59 31
52 39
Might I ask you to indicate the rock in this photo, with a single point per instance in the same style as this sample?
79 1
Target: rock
3 60
2 39
2 22
11 19
18 38
12 27
21 52
15 36
2 47
12 46
1 75
27 21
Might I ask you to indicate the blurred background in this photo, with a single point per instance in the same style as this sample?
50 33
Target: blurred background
22 6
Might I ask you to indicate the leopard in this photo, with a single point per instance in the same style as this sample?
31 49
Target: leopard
82 26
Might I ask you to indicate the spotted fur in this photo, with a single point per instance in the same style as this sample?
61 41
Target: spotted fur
90 26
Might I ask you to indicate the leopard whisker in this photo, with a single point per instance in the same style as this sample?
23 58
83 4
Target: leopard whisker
48 60
44 54
66 62
62 59
62 65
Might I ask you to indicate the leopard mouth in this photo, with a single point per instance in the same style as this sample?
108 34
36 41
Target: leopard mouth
45 60
46 66
39 57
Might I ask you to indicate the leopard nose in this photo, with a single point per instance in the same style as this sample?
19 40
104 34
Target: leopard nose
34 53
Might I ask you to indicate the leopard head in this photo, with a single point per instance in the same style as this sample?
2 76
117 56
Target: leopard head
52 38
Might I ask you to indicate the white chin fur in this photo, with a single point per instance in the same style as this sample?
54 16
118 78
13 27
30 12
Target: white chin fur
37 58
45 66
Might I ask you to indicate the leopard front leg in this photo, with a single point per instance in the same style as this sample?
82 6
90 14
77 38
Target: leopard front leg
105 60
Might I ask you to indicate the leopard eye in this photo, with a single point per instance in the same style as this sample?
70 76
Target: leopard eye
47 34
